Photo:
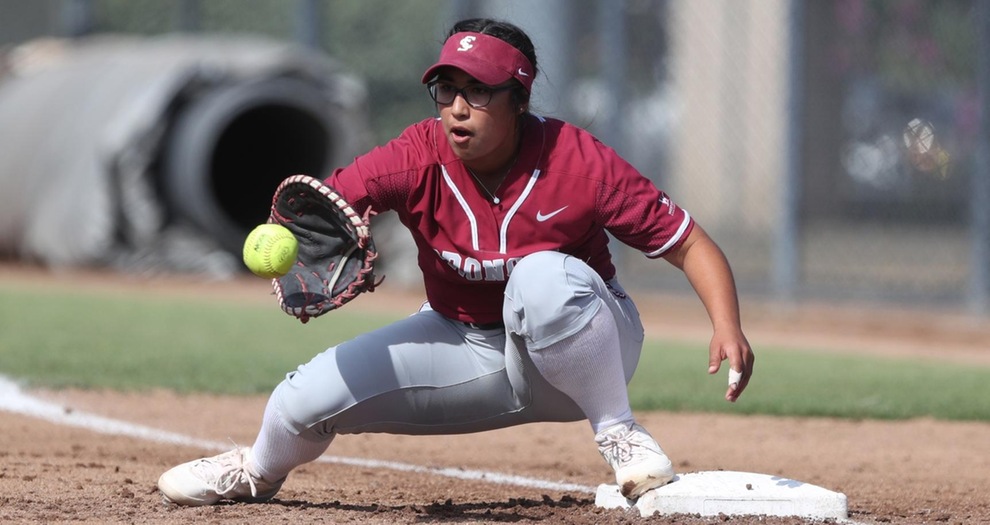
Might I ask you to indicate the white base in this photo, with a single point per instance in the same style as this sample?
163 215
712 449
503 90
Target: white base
731 493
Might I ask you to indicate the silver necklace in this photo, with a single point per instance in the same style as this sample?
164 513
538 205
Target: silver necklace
485 188
491 194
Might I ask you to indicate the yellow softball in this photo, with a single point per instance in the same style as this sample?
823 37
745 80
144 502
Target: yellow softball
270 250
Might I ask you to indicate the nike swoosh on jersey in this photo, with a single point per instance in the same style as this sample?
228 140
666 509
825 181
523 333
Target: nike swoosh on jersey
540 217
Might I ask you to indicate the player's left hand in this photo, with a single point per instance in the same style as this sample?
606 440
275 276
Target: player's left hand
336 259
732 345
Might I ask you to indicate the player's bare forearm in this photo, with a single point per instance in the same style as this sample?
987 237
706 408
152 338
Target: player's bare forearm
708 271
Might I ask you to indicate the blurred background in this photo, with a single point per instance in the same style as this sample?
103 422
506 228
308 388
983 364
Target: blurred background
837 151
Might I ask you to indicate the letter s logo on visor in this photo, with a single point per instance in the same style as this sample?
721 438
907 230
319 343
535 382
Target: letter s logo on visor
466 43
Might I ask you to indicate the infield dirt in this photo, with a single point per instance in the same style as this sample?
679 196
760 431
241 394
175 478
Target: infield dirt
900 472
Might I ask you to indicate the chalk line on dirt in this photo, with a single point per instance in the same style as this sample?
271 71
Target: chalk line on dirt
13 399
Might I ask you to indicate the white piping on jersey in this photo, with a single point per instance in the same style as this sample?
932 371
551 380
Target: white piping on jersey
504 231
464 205
673 240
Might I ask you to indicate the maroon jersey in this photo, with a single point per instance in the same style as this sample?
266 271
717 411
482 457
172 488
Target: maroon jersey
565 190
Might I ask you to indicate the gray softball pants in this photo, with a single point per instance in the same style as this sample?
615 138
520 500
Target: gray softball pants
428 374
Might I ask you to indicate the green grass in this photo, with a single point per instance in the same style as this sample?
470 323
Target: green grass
134 342
813 383
138 342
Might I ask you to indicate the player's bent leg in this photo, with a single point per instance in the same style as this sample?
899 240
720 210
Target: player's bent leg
568 318
557 305
424 374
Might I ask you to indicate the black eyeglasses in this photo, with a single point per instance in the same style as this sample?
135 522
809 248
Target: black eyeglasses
477 95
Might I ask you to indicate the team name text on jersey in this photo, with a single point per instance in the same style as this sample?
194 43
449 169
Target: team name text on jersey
480 270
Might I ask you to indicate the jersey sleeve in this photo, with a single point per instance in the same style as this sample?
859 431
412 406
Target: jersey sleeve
383 178
636 212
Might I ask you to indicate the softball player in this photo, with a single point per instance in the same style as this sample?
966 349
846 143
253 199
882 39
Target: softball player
525 320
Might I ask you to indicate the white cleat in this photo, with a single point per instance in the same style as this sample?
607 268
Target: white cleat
207 481
639 462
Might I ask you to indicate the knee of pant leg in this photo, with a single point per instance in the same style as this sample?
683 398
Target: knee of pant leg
549 297
303 410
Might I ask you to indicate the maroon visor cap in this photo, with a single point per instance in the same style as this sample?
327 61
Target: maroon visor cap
489 59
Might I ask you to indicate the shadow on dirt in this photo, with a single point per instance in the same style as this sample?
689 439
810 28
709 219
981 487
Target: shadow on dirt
512 510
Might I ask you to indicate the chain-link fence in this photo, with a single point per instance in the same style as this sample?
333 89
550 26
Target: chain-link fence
834 149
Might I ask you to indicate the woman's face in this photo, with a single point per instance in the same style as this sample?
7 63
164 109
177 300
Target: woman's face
483 138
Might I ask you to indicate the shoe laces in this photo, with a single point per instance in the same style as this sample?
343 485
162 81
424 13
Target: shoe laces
227 473
620 447
616 450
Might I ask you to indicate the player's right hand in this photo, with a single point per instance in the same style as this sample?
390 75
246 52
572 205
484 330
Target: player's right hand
735 348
